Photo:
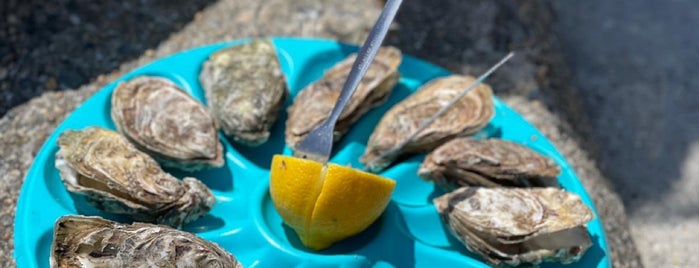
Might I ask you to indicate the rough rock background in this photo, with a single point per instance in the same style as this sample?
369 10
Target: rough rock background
463 36
62 44
634 64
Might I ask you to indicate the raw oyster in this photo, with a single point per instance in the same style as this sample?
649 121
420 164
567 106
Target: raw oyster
80 241
245 89
466 117
165 122
115 177
489 162
313 104
518 225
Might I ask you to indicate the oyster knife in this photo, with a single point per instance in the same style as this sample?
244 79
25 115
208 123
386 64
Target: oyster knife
317 145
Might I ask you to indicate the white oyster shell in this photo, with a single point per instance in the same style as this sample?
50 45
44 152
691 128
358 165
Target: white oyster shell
518 225
167 123
115 177
489 162
81 241
245 89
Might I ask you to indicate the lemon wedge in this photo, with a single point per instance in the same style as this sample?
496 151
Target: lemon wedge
324 205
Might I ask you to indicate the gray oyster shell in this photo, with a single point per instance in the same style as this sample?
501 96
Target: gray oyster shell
115 177
81 241
164 121
513 226
466 117
313 104
245 89
490 162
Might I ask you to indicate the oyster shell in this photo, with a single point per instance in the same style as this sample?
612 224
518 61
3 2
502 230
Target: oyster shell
165 122
466 117
81 241
245 89
489 162
313 104
516 226
117 178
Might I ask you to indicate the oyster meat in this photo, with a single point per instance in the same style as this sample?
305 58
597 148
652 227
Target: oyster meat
162 120
466 117
513 226
313 104
245 89
80 241
490 162
115 177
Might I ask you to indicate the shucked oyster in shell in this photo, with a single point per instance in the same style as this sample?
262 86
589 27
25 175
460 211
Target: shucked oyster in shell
80 241
466 117
165 122
490 162
245 89
313 104
513 226
115 177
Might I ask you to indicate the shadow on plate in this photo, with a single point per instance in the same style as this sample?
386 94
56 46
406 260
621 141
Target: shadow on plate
206 223
220 178
83 207
382 242
436 192
43 250
261 155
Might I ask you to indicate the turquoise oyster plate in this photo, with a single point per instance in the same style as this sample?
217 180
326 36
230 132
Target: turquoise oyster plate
244 221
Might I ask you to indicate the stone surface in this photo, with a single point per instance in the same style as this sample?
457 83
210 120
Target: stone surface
463 36
49 45
634 65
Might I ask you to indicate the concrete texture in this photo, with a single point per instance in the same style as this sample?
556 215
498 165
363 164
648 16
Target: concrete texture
463 36
634 64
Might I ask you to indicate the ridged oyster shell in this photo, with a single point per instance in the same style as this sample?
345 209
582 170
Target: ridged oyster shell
115 177
489 162
516 226
81 241
245 89
313 104
162 120
466 117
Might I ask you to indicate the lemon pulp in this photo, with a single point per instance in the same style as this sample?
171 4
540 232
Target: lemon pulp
324 205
